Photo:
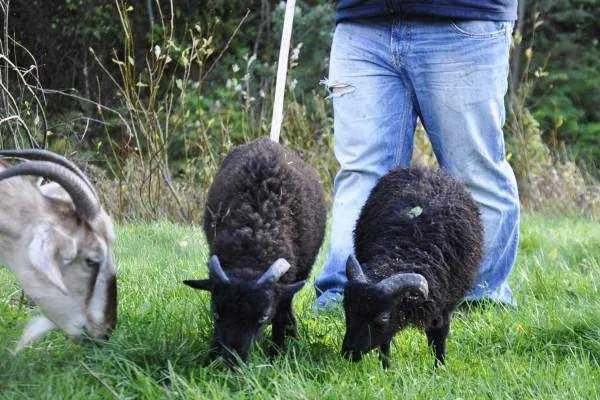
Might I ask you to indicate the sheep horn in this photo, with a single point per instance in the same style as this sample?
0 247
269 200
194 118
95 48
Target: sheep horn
275 271
405 282
215 267
354 271
45 155
86 206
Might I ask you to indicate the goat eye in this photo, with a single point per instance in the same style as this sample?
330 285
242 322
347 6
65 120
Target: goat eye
92 264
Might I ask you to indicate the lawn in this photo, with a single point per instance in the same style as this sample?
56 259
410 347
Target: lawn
547 347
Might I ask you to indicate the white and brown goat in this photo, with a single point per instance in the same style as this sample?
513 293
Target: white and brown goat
56 239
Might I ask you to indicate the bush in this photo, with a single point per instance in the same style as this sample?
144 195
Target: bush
567 53
546 182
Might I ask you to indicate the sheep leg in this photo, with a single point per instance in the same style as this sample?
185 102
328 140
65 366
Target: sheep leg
436 337
384 355
284 324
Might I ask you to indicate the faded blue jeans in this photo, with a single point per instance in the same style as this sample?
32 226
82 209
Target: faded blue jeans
452 75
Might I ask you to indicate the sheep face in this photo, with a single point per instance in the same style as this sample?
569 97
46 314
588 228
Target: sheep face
376 311
370 320
241 309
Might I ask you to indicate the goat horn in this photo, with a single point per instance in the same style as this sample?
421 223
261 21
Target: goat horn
45 155
354 271
405 282
86 206
275 271
215 266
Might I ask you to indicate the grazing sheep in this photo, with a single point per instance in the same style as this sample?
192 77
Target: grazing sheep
264 221
57 240
419 239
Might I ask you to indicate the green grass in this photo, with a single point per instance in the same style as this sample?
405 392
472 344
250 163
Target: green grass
548 347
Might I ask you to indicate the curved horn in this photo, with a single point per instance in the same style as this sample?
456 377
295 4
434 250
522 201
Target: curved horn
215 267
86 206
354 271
45 155
275 272
406 282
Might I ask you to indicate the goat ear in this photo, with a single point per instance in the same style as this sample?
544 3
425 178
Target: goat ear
290 290
49 251
203 284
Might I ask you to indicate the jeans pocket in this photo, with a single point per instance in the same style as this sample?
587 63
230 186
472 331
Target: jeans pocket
480 29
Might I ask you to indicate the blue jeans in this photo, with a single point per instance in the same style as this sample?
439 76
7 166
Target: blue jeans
452 75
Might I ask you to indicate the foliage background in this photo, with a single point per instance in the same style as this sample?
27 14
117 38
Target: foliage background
152 94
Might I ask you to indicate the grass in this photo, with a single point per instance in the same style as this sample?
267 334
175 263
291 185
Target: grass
548 347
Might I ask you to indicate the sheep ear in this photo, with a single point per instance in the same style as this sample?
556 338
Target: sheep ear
48 251
203 284
354 271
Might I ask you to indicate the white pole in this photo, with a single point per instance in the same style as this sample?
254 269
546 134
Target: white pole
282 63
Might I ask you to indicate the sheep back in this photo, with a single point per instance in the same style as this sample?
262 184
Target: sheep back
265 203
424 221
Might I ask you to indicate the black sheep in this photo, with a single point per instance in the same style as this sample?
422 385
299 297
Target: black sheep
264 221
419 239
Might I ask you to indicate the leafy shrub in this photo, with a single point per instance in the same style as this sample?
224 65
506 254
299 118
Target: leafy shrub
566 97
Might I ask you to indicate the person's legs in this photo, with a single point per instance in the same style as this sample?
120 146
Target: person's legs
459 71
374 121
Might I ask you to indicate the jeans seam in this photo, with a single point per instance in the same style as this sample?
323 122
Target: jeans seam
397 153
509 26
395 58
400 47
412 103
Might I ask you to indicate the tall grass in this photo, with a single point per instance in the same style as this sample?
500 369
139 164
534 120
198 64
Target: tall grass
172 130
552 182
22 117
147 100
